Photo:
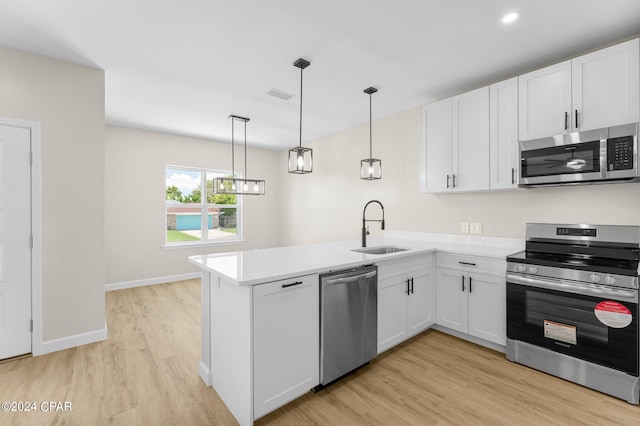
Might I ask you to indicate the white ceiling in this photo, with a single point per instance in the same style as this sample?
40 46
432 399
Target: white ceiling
183 66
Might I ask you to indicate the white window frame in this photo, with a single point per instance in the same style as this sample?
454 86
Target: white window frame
204 206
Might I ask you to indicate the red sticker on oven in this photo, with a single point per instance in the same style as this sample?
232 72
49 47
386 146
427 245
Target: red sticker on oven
613 314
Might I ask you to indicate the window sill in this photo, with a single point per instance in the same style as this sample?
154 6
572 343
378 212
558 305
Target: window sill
179 246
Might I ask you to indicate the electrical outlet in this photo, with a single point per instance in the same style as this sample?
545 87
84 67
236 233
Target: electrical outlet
476 227
464 227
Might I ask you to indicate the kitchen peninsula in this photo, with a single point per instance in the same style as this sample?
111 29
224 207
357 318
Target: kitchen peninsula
260 308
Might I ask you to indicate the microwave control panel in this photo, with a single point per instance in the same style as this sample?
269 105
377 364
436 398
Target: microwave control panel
620 153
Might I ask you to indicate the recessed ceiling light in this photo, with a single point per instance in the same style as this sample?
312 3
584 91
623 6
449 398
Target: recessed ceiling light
509 17
280 94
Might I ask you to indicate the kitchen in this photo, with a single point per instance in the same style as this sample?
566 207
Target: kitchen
131 253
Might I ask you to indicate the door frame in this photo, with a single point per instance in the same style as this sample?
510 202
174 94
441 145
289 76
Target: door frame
36 227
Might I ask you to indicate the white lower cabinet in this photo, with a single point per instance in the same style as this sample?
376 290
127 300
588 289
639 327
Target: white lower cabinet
470 301
285 339
406 299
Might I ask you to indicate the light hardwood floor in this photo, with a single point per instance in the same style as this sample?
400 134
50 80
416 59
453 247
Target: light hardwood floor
146 373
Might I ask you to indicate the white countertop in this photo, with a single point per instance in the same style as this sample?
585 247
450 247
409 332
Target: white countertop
259 266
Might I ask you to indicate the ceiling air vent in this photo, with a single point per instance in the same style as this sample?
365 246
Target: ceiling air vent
280 94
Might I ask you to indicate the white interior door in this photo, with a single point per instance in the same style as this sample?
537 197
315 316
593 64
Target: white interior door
15 241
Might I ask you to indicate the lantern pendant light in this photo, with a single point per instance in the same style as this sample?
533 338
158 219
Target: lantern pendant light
301 158
370 168
234 185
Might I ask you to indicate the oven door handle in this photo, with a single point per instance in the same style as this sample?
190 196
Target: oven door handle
575 287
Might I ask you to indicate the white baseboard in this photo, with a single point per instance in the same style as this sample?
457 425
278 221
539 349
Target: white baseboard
205 374
72 341
470 338
151 281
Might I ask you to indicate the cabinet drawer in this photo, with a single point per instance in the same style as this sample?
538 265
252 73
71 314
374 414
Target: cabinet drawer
485 265
387 268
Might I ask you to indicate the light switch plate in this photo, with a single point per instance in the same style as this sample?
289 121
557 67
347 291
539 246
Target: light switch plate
476 227
464 227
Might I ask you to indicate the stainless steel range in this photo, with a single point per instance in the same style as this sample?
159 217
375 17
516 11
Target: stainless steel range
572 305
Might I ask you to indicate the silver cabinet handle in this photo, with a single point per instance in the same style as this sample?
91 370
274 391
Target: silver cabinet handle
576 119
292 284
513 176
447 181
467 263
566 120
454 181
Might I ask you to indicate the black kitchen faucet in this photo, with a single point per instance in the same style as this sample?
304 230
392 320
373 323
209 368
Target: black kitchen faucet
365 230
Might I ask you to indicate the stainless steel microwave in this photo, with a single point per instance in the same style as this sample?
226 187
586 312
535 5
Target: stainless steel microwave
607 155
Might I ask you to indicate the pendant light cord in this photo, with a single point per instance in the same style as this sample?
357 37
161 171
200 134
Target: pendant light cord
245 150
301 69
370 130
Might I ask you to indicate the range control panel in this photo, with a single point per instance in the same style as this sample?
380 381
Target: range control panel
577 232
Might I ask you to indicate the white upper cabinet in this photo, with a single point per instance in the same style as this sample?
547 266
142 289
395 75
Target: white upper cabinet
436 142
545 101
470 142
470 136
456 143
503 134
605 87
597 90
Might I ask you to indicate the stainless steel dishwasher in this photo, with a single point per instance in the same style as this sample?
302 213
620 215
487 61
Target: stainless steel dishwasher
348 321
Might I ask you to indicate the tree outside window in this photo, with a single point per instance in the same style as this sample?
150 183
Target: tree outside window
190 218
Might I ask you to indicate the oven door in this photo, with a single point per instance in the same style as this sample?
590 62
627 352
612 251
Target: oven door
594 323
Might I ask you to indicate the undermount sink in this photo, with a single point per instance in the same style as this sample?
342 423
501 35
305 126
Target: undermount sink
380 250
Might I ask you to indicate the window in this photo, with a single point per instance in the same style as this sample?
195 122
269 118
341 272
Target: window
194 219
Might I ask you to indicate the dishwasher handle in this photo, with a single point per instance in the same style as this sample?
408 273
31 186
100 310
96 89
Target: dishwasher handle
350 279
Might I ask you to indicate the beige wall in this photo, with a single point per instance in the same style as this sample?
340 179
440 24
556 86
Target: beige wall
327 204
135 193
68 101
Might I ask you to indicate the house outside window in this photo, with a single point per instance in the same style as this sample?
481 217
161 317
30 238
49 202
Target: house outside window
192 218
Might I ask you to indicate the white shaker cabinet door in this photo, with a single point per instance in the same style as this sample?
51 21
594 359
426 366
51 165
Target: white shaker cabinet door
436 161
470 140
286 344
421 302
487 308
503 134
545 102
605 87
452 299
392 318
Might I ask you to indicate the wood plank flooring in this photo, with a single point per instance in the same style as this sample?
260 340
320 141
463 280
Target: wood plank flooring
146 373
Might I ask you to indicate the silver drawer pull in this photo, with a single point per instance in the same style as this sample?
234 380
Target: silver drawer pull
467 263
292 284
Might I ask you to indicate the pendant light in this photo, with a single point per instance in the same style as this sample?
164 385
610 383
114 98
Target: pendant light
370 168
301 158
234 185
